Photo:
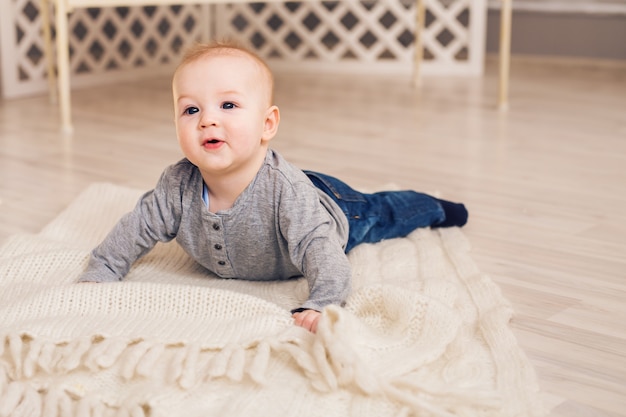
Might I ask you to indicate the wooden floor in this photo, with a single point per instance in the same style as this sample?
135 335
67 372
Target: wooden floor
545 184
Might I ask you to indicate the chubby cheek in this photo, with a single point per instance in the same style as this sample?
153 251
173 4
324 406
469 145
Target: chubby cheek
251 130
186 139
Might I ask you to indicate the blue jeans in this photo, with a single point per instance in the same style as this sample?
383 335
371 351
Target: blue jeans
382 215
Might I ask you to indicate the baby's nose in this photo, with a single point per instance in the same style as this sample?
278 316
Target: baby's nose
208 119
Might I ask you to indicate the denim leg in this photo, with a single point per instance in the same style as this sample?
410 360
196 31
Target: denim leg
382 215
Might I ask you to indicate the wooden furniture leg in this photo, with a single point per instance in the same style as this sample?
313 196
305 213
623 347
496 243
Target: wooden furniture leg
63 64
505 53
48 52
420 15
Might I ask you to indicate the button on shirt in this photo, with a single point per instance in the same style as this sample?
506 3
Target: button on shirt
280 227
215 235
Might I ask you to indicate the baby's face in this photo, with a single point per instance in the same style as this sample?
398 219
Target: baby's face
221 103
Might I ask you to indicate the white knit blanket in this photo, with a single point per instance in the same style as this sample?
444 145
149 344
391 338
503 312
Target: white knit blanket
424 333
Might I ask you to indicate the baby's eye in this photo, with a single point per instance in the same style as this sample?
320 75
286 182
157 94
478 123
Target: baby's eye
191 110
228 105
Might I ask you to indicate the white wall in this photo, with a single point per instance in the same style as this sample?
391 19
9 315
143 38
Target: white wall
587 29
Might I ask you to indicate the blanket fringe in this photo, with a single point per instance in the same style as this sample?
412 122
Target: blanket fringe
326 359
442 402
19 399
260 362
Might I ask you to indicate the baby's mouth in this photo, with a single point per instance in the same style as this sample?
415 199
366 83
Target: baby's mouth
211 143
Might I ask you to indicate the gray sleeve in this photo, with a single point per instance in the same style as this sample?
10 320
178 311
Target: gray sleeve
155 218
315 247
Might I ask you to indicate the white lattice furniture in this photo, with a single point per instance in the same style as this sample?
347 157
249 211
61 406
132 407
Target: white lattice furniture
445 18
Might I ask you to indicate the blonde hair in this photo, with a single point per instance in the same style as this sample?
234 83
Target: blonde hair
226 48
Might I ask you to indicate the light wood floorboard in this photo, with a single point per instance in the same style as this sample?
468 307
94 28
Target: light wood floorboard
545 184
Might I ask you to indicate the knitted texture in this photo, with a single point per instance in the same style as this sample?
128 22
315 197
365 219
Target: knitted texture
424 333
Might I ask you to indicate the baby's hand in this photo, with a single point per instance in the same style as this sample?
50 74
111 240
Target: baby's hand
307 319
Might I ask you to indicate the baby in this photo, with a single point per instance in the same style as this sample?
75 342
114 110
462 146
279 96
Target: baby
239 208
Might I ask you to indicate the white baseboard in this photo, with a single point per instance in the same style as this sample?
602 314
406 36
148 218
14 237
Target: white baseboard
566 6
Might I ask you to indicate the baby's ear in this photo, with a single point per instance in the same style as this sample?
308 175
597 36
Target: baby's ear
272 120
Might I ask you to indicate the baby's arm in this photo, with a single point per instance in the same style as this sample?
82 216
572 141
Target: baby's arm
316 248
111 260
152 220
328 272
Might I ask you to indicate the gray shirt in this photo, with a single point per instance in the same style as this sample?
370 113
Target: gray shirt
280 227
